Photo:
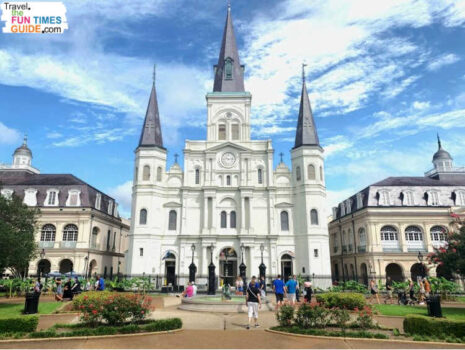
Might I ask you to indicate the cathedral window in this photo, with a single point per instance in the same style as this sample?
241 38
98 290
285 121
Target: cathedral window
314 217
235 131
284 221
70 233
93 243
223 219
228 180
311 172
315 253
232 219
260 176
108 239
48 233
321 173
146 173
143 217
228 68
159 174
413 233
172 220
222 132
141 251
389 233
298 175
197 176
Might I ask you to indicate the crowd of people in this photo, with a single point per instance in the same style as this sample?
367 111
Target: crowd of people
417 292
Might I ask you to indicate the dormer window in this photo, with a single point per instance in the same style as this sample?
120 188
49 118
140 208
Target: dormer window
359 200
110 207
74 199
383 197
407 198
228 69
432 198
459 198
348 206
343 209
52 198
6 193
98 201
30 197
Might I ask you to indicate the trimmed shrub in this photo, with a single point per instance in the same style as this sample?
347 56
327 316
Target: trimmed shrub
19 324
312 316
163 325
424 325
285 315
348 301
114 308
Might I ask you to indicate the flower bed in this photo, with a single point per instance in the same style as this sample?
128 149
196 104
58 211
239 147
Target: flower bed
348 301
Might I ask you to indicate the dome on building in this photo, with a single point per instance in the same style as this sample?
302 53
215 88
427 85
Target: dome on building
23 150
441 153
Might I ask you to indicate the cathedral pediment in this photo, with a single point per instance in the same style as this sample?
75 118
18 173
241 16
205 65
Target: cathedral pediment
284 205
172 205
229 145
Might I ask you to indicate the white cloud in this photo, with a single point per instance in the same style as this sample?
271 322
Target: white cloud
54 135
336 144
123 195
421 105
443 60
9 135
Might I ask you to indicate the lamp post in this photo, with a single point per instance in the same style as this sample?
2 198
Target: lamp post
211 273
243 268
262 267
192 267
39 267
86 259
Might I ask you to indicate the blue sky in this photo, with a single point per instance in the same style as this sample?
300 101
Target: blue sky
384 77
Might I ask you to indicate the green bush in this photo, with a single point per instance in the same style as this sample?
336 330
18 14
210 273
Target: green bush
350 286
163 325
312 316
285 315
340 317
424 325
19 324
348 301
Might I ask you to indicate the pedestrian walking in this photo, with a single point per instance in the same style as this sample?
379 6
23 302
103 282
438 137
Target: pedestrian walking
262 287
308 292
253 302
388 290
374 291
59 290
411 290
76 288
291 288
100 284
278 290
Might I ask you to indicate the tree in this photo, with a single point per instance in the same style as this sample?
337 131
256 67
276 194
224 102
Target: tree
17 227
451 257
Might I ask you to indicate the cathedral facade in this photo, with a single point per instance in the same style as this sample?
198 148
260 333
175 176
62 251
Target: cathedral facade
229 207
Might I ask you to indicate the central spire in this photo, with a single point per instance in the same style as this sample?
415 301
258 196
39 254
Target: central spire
306 134
229 73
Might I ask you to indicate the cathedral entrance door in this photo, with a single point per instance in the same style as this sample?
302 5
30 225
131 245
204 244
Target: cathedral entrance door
170 269
228 266
286 267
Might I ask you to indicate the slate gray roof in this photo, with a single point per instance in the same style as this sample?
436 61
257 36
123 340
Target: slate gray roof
151 132
420 181
306 134
229 50
18 181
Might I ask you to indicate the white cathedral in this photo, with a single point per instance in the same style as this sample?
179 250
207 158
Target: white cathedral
229 207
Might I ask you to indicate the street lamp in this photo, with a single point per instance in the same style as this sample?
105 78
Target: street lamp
211 274
192 267
262 248
262 267
39 264
86 258
243 267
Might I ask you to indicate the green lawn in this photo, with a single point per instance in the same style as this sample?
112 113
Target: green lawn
451 313
12 310
461 299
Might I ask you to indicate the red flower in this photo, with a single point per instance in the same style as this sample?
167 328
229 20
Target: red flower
94 312
142 312
454 250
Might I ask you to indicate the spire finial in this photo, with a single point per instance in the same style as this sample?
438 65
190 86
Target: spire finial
25 140
281 156
303 72
439 141
154 73
229 5
176 158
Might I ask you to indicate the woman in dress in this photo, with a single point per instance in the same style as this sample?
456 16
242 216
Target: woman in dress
374 291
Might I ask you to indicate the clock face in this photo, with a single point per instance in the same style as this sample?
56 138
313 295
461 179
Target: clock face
228 159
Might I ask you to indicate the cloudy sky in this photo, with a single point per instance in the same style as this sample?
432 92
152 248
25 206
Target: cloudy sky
383 76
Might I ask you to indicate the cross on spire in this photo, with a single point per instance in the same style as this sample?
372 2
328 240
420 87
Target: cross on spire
229 5
176 157
281 156
439 141
25 140
154 73
303 71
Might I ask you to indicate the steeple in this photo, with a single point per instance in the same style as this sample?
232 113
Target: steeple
306 134
229 73
151 132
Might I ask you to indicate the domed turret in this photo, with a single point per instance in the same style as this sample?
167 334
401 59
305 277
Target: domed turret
442 160
22 155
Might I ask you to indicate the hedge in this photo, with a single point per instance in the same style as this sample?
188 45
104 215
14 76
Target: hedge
348 301
424 325
19 324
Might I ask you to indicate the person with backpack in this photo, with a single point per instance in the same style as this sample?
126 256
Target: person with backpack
253 302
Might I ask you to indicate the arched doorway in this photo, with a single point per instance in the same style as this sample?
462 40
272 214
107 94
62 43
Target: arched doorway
441 272
364 271
170 268
395 272
93 268
66 266
417 271
43 267
286 266
228 266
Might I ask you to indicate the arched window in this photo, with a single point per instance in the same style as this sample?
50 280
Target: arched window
143 217
235 131
321 173
222 132
146 173
223 219
314 217
172 220
228 71
362 239
260 176
159 173
284 221
70 233
438 233
389 233
413 233
48 233
228 180
232 219
298 175
93 242
311 172
197 176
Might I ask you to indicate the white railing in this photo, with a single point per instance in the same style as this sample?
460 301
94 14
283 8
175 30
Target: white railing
415 246
390 246
68 244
